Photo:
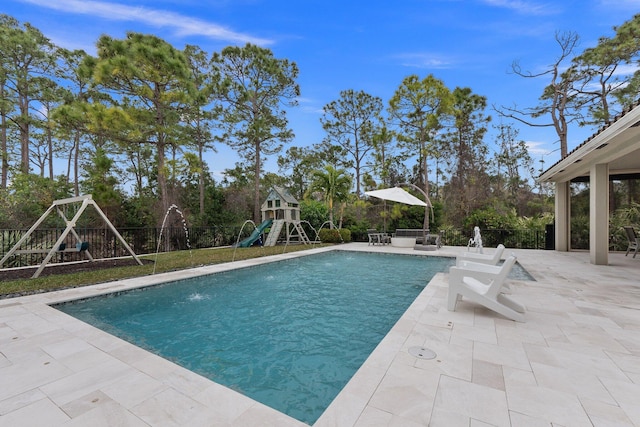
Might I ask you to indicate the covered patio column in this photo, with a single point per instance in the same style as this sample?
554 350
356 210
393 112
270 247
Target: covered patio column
599 214
563 215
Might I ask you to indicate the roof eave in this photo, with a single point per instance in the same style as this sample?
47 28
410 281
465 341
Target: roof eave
600 145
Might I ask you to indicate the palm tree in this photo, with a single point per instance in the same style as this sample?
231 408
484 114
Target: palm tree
334 184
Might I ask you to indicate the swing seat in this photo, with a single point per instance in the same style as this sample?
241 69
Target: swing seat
79 247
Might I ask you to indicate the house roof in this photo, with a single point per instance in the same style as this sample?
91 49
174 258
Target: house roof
616 144
283 193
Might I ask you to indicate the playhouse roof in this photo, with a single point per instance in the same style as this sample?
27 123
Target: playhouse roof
282 194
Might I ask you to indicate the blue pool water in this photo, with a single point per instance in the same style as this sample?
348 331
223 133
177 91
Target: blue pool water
289 334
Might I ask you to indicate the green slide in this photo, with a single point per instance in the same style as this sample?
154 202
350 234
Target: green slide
255 235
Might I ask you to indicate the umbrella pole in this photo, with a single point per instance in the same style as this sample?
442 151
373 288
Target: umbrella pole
384 217
425 225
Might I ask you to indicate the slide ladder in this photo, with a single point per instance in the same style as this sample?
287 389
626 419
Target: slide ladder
301 234
276 228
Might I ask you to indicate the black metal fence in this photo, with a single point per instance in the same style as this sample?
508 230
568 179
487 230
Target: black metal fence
517 239
103 243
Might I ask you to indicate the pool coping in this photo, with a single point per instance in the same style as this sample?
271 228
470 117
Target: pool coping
50 336
57 369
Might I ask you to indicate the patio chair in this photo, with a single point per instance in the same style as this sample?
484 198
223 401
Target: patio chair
374 236
482 271
485 270
377 238
484 290
483 258
385 239
634 240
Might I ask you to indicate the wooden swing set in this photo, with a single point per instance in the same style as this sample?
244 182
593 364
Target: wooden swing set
59 246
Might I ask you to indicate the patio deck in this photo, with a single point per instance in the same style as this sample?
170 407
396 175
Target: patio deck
575 362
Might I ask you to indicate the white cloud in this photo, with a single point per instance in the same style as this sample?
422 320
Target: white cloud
538 148
72 43
424 60
182 25
523 6
626 70
622 75
309 105
535 147
621 4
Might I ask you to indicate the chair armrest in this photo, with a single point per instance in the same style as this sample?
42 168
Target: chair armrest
485 276
467 264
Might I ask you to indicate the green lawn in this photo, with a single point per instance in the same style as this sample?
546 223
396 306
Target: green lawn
168 261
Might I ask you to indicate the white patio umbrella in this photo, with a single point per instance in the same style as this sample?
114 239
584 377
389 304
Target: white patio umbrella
396 194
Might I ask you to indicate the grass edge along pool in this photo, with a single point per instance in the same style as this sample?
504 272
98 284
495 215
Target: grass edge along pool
304 336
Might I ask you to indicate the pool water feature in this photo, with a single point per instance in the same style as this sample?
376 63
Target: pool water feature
289 334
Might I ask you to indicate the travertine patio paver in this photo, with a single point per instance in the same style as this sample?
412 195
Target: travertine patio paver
574 362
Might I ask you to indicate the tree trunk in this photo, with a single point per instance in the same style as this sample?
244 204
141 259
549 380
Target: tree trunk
201 180
135 161
331 214
3 153
50 147
256 184
162 179
24 135
425 225
76 162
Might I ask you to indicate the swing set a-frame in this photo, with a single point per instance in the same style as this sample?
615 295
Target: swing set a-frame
59 246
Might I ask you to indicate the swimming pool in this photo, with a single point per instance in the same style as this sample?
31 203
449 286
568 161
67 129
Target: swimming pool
289 334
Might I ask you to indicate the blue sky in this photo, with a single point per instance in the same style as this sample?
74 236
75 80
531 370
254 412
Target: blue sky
362 45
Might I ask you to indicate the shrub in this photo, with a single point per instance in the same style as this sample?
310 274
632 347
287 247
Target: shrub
316 213
358 231
345 233
331 235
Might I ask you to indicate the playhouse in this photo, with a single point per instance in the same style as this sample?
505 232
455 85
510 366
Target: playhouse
284 210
